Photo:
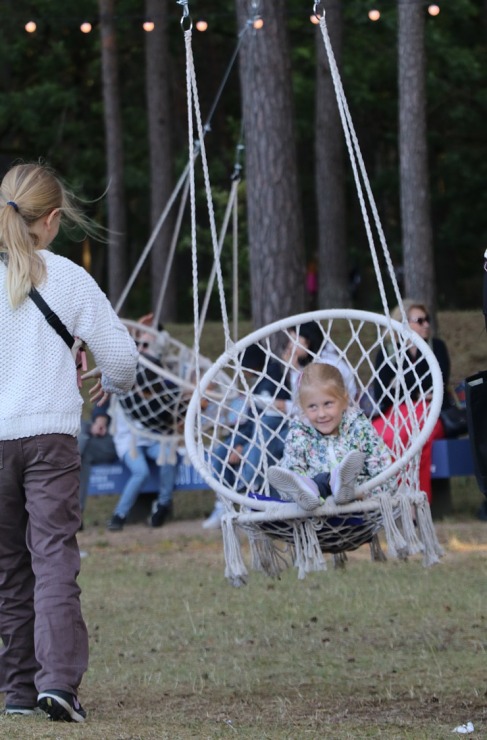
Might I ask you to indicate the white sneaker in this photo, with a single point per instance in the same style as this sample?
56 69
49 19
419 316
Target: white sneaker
344 478
300 488
214 521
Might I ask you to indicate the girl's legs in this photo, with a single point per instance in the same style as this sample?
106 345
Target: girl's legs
309 493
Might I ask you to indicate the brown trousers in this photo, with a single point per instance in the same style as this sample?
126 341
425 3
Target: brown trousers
45 640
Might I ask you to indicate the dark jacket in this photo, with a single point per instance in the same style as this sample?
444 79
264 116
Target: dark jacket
387 371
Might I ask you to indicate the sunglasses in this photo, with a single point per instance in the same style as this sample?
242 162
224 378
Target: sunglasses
142 345
422 320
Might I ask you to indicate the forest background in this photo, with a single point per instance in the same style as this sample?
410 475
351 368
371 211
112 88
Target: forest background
108 109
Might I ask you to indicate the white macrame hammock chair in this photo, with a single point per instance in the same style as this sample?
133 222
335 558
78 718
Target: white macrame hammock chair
280 532
155 408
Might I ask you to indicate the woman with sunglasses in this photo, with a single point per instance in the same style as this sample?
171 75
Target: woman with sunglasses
419 322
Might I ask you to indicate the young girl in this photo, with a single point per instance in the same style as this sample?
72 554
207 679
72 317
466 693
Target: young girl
332 449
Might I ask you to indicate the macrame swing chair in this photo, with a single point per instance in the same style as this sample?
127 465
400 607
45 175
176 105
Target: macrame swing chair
280 532
166 372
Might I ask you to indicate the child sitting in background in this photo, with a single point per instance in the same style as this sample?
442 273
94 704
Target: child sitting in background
333 448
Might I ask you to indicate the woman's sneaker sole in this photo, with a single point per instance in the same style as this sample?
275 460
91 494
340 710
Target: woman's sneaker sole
13 709
61 706
295 486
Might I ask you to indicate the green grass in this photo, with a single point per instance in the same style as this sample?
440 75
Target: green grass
389 650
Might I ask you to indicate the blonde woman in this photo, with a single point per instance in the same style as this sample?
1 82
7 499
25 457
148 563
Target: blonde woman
45 641
419 321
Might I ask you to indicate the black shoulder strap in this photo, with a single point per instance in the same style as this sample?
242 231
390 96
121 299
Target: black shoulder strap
51 317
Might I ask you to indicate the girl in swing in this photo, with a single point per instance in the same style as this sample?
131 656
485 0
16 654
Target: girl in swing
332 448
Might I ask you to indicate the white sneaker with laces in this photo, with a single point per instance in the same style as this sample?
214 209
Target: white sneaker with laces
299 488
344 478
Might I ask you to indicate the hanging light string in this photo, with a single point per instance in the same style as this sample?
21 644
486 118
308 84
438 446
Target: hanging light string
87 25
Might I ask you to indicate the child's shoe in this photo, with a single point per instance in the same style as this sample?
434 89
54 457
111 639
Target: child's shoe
344 477
299 488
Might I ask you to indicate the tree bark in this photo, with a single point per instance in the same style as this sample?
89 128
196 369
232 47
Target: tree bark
117 240
275 225
419 280
333 291
160 152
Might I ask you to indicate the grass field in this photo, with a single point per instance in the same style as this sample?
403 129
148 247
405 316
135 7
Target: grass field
389 650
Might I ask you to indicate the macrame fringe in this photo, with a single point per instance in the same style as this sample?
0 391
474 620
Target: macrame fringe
377 554
396 544
433 551
235 569
264 555
414 545
307 552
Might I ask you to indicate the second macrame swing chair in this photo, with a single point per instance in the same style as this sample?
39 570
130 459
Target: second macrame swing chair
280 531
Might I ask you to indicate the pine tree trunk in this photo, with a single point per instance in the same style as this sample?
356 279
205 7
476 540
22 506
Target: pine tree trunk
414 178
275 225
333 278
160 152
117 243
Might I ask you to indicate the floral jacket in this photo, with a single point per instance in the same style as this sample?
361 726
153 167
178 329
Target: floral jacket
309 452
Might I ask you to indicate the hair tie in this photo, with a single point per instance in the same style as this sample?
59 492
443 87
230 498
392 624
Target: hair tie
13 204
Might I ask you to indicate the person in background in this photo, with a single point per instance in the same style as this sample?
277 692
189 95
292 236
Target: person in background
239 457
419 321
137 451
44 651
96 447
331 448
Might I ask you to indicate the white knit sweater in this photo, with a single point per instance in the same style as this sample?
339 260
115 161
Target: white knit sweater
38 386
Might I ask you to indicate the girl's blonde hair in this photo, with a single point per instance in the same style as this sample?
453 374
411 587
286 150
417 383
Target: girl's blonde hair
28 192
322 374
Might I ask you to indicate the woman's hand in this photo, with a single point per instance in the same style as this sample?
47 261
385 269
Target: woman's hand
96 392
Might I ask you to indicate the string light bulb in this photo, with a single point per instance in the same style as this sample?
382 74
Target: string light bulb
148 26
202 26
434 9
30 27
258 24
374 14
85 27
